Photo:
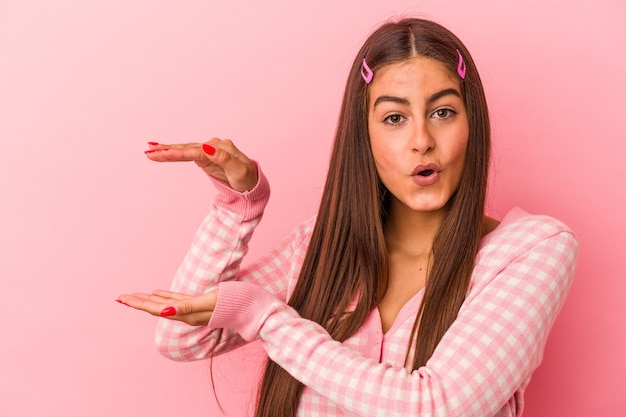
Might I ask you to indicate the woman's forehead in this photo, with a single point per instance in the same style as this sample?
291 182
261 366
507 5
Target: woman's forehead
415 77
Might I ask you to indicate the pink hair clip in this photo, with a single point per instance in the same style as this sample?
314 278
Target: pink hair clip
366 72
461 68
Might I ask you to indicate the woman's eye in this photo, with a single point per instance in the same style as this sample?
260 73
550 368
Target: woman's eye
443 114
394 119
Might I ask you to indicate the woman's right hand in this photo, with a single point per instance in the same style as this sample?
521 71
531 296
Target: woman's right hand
219 158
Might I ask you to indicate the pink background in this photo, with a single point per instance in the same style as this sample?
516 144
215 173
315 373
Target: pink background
84 216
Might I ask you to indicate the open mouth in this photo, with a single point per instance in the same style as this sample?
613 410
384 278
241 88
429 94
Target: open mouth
425 173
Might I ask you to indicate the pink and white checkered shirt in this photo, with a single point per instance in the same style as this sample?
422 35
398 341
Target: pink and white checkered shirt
480 368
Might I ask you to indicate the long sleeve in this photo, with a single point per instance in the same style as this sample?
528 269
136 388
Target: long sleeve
490 350
215 255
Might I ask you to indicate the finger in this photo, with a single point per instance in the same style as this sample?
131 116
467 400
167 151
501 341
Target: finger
160 146
170 294
191 152
199 304
162 300
238 170
155 146
201 318
143 302
162 297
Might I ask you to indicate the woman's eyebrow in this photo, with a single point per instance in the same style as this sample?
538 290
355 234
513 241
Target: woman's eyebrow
399 100
442 93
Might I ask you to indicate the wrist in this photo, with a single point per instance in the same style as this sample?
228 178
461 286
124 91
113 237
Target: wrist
250 204
241 306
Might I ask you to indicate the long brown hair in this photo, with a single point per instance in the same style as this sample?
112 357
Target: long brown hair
347 257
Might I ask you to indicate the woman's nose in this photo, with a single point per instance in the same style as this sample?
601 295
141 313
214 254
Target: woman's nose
422 139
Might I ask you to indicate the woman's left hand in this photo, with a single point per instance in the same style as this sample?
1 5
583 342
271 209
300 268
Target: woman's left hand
195 311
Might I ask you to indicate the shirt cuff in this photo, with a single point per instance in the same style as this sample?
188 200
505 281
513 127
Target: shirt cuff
243 307
248 204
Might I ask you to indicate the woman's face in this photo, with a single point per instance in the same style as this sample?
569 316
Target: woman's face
418 130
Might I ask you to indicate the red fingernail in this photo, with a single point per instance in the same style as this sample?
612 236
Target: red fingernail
150 151
153 143
121 302
208 148
170 311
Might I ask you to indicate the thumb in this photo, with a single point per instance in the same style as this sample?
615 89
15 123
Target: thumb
238 170
220 157
208 149
204 303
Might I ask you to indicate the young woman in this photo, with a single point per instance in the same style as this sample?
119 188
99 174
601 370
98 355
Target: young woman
400 298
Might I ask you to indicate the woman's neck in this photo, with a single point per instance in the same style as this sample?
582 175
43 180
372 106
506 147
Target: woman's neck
411 232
